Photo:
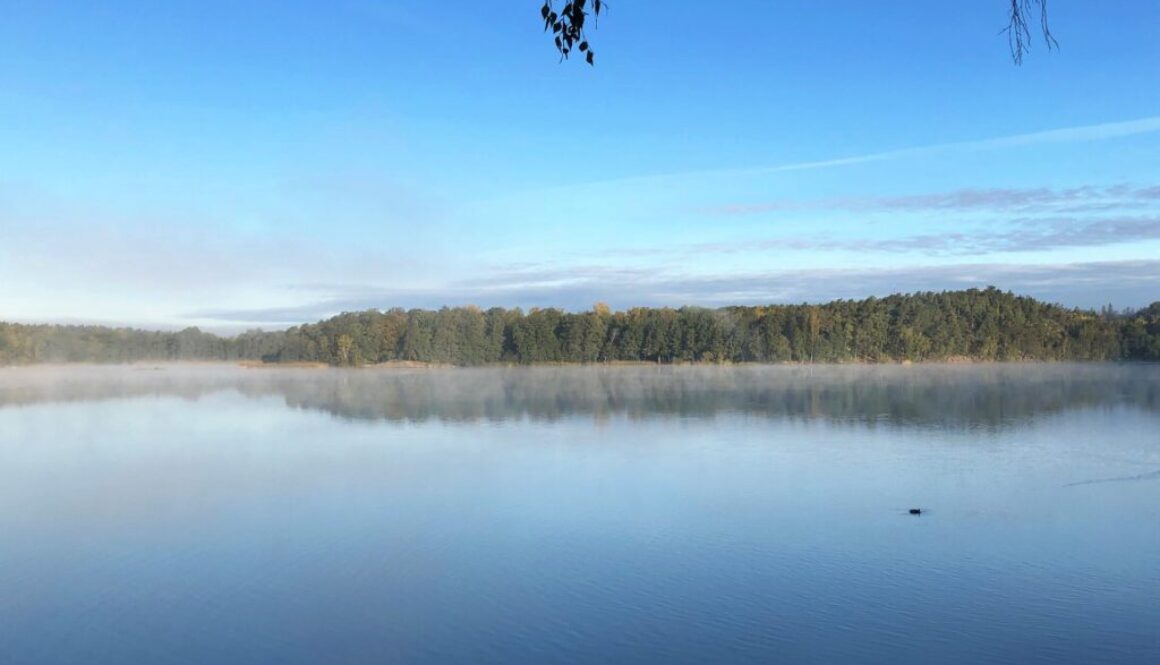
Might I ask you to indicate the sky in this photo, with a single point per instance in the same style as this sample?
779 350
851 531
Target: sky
261 164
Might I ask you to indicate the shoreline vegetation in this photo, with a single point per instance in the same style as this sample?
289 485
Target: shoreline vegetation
975 325
418 365
411 366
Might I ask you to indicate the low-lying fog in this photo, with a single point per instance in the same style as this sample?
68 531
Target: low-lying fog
945 395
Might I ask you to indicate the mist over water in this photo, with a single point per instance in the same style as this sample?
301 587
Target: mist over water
188 514
988 395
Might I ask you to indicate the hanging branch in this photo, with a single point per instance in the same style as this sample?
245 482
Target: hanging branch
568 25
1019 29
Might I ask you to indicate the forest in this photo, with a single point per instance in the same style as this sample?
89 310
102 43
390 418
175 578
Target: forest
976 324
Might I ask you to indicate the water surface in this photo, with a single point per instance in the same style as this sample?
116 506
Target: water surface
580 515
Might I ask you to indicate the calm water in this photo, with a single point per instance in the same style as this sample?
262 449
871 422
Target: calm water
632 515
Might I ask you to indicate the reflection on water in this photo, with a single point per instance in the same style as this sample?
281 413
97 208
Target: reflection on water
208 514
965 396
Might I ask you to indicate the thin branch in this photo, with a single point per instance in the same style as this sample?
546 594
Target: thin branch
1019 30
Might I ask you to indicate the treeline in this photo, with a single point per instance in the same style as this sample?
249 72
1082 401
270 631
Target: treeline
974 324
24 344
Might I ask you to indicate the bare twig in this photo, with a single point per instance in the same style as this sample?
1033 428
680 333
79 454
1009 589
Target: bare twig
1019 31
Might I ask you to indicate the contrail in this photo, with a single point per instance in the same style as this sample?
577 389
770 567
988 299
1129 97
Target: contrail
1082 133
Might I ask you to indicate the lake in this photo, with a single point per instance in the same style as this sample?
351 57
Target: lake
212 514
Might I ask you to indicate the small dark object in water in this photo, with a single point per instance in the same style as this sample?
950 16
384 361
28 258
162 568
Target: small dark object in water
916 511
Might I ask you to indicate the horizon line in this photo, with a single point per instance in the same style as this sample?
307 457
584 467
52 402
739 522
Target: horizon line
173 329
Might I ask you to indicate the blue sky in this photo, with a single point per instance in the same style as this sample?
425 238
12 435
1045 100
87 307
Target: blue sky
234 165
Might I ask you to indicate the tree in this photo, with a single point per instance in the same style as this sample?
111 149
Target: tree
343 345
983 324
567 26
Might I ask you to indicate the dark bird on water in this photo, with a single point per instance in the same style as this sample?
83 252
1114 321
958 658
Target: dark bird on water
916 511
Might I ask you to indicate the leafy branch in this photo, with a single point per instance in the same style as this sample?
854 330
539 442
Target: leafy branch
568 25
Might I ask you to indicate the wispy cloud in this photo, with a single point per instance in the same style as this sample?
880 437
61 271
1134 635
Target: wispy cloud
1090 284
1082 133
1022 235
1078 134
157 252
1025 200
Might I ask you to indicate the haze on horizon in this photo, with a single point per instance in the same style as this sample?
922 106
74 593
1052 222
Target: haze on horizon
263 165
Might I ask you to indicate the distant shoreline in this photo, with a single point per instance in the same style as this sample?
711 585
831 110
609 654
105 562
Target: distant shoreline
412 365
975 325
160 365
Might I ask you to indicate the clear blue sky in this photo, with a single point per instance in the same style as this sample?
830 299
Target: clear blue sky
230 164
